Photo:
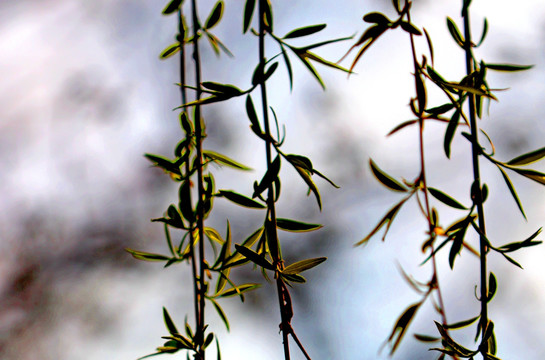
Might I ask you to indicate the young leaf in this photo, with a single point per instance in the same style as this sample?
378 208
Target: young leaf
215 15
531 174
410 28
426 338
270 176
528 158
485 31
248 12
164 163
224 89
492 287
462 324
386 179
304 31
296 226
241 199
445 199
238 290
224 160
302 265
305 174
457 244
185 202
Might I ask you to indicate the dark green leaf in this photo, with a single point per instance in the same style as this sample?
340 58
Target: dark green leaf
254 257
305 174
386 220
268 15
386 179
241 199
172 7
248 12
426 338
223 160
508 67
461 324
140 255
288 65
377 18
221 313
531 174
164 163
410 28
293 278
302 265
304 31
238 290
455 347
528 158
457 244
455 33
445 199
296 226
169 51
401 326
420 93
185 202
485 31
451 130
252 115
270 176
215 15
169 323
512 190
228 90
492 287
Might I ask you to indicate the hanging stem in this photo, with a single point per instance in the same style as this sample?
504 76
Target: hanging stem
271 212
183 93
423 179
470 67
199 135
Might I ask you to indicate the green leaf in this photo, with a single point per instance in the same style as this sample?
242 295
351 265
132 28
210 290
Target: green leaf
293 278
170 51
454 32
223 160
386 179
252 115
302 265
304 31
305 174
457 243
221 313
420 92
461 324
172 7
164 163
531 174
270 176
492 287
169 323
296 226
238 290
521 244
512 190
454 346
226 89
248 12
410 28
241 199
254 257
215 15
528 158
185 202
426 338
451 130
508 67
288 65
445 199
386 220
268 15
401 326
140 255
485 31
377 18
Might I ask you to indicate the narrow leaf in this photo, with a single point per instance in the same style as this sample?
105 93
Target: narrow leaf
169 323
224 160
528 158
454 32
445 199
512 190
401 326
140 255
241 199
254 257
508 67
248 12
304 31
172 7
296 226
451 130
215 15
302 265
386 220
386 179
170 51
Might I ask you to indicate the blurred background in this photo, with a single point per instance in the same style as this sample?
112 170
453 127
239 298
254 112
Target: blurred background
84 95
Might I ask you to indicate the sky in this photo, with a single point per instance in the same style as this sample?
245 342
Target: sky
84 95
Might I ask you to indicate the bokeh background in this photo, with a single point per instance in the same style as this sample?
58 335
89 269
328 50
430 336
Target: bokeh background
83 95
